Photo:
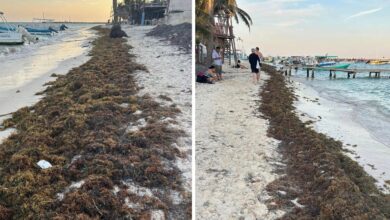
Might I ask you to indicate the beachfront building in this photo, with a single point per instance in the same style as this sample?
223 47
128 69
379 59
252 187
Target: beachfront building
179 11
141 12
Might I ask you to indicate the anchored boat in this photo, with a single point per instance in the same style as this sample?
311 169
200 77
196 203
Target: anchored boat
329 62
378 62
8 35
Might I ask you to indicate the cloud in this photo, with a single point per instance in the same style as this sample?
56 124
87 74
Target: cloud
290 23
363 13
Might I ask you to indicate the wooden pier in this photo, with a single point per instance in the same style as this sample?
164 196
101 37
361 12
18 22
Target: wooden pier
310 71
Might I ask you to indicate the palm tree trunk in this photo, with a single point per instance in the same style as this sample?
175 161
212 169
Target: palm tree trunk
115 7
210 41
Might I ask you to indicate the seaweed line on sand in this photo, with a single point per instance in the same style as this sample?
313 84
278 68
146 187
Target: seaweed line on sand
321 182
102 167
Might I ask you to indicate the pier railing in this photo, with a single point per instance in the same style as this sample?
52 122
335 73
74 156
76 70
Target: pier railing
311 70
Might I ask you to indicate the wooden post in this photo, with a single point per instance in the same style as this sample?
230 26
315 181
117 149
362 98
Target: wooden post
312 73
369 75
289 72
379 75
354 75
330 73
334 75
307 72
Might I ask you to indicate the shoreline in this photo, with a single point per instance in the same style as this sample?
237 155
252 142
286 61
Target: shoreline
337 119
320 180
23 92
112 156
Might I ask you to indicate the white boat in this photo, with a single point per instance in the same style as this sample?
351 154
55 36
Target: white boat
9 36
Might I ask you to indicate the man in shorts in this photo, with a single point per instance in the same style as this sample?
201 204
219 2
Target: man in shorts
217 61
254 61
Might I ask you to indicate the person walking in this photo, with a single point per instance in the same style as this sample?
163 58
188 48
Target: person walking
254 61
217 61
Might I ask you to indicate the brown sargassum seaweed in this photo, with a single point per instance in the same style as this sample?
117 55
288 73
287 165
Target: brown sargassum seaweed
327 182
79 126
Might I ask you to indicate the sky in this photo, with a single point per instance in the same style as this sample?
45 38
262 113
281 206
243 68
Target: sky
60 10
346 28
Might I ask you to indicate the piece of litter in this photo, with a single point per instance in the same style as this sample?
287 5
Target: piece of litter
157 215
138 112
44 164
296 203
124 105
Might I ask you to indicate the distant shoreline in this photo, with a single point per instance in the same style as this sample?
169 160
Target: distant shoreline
62 22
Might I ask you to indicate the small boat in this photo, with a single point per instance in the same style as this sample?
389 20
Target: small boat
336 66
9 36
378 62
41 31
341 66
326 64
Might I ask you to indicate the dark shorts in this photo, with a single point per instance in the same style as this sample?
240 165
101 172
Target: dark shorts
218 69
255 70
202 79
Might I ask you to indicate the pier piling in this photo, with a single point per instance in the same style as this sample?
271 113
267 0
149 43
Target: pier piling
353 72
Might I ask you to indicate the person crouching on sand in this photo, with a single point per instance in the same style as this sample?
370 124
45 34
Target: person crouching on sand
208 77
254 61
239 65
217 61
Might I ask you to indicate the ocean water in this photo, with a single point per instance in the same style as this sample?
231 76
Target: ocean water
369 97
73 30
25 68
355 111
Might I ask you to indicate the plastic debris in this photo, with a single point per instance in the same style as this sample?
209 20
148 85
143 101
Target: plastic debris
44 164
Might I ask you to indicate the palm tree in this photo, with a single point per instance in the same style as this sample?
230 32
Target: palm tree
230 8
206 10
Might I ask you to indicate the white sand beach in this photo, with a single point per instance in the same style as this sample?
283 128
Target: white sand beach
235 160
169 75
24 73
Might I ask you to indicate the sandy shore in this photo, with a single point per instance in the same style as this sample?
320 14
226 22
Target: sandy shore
112 148
321 182
168 81
235 160
22 75
337 119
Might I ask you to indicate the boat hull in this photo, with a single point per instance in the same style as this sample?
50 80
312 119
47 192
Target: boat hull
11 38
339 66
326 64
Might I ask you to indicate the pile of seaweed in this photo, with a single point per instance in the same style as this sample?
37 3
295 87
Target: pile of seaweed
180 35
84 127
321 181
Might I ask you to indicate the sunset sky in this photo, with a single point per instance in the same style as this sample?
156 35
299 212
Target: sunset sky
75 10
347 28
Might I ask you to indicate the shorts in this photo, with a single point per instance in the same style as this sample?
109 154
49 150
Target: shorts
202 79
218 69
255 70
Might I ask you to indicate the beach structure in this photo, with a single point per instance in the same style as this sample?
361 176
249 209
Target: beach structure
311 70
143 12
9 35
224 36
178 11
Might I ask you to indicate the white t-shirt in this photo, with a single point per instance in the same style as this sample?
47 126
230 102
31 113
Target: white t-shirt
215 55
